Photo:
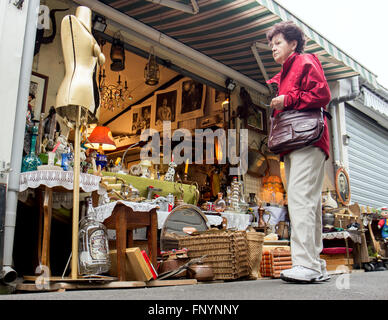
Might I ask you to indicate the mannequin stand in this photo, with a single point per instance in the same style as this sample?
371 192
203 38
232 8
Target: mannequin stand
76 168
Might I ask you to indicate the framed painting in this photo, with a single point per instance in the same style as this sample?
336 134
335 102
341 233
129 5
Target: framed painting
140 118
192 99
257 119
165 107
217 98
37 94
342 186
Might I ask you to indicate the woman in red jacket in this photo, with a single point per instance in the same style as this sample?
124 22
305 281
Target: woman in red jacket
301 85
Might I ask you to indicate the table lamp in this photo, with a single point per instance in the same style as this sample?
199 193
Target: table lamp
101 139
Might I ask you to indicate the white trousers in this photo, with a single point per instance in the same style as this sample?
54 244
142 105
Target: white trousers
304 169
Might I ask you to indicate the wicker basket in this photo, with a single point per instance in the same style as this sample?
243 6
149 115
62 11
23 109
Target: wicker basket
226 252
255 253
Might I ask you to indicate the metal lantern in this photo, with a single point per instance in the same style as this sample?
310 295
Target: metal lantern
117 53
151 71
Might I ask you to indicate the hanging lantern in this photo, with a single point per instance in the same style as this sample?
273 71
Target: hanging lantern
151 71
117 53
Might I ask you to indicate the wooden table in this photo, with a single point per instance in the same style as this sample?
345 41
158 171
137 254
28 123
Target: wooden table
124 220
45 182
354 235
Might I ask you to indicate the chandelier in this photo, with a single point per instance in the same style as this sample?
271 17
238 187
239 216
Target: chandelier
113 96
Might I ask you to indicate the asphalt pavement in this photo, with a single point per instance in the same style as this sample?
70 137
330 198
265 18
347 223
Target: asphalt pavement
358 285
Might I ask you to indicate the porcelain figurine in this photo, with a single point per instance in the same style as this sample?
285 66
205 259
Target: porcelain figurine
170 175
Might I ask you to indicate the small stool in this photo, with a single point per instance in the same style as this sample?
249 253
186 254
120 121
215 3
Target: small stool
124 219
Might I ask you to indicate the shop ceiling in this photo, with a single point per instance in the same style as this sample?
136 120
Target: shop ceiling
232 32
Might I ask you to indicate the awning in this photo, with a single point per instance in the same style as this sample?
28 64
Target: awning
232 32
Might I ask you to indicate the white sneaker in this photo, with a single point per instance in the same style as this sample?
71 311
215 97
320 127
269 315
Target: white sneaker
300 274
323 277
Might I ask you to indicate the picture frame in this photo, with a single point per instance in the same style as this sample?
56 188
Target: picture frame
216 99
140 117
165 106
192 99
38 87
257 119
342 186
257 163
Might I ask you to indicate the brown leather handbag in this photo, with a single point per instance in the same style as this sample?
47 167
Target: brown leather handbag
296 129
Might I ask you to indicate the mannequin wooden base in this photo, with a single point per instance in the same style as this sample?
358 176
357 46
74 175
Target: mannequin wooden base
60 284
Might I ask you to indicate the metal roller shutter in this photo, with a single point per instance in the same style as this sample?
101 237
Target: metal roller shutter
368 159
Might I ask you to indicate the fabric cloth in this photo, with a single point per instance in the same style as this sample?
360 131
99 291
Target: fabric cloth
304 85
56 178
167 187
105 211
336 250
304 170
355 236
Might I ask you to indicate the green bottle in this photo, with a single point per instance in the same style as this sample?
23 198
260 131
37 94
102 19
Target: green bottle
31 161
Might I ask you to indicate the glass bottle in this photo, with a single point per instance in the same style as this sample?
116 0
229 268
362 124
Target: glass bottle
228 199
170 200
235 198
31 161
220 204
93 244
242 204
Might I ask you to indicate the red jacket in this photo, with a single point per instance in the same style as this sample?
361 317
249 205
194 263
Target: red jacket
304 85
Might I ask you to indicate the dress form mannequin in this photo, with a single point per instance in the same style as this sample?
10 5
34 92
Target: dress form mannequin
81 55
76 97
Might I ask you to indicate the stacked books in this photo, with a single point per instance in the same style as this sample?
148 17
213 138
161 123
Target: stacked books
274 261
138 266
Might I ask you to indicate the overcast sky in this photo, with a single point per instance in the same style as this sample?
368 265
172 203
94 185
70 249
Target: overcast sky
357 27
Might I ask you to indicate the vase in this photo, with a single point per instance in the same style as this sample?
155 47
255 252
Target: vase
328 219
31 161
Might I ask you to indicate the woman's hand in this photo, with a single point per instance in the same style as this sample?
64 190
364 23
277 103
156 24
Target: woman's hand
278 103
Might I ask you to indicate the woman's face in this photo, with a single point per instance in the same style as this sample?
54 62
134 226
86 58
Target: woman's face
281 49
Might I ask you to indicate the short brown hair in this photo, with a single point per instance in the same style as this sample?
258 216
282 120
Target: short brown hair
290 32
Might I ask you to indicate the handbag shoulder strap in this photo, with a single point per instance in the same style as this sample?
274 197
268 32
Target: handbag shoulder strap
325 113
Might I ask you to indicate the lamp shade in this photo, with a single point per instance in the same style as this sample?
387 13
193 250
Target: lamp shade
101 138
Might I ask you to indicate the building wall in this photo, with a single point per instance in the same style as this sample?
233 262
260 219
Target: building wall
364 128
49 60
12 29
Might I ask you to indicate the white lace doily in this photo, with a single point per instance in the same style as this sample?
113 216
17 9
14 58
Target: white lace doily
237 221
54 178
105 211
140 234
355 236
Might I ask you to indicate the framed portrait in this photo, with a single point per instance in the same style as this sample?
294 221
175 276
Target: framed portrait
165 107
140 118
342 186
37 94
217 98
257 119
192 99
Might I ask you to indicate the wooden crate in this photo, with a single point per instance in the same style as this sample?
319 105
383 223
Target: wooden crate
333 261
